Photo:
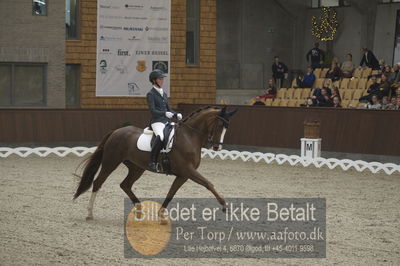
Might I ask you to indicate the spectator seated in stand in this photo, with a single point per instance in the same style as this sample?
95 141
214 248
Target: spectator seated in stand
335 93
393 104
394 76
337 102
385 103
308 80
374 104
334 72
318 91
373 89
385 87
387 71
309 103
348 67
382 66
270 91
322 97
258 101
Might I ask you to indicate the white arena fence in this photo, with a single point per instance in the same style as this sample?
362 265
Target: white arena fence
331 163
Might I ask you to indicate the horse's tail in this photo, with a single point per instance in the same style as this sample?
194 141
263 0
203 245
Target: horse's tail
92 165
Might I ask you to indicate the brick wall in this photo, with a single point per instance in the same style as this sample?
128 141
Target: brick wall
188 84
26 38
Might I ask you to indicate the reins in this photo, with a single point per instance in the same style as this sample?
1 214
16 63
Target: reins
209 136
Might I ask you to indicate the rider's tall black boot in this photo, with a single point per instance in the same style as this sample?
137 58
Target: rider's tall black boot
155 151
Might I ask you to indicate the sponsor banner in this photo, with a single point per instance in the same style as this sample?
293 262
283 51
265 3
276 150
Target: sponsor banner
247 228
133 39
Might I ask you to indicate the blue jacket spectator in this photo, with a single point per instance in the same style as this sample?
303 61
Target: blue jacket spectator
309 78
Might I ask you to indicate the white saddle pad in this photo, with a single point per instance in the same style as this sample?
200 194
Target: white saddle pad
144 140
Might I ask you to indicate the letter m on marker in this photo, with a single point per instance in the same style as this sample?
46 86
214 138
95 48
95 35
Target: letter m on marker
309 146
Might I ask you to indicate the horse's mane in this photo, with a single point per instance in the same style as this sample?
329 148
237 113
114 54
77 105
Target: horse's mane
198 111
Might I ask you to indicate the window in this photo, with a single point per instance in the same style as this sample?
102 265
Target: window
329 3
192 31
22 84
39 7
72 88
314 3
71 19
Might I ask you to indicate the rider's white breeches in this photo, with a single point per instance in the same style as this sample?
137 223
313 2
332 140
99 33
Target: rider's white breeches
158 129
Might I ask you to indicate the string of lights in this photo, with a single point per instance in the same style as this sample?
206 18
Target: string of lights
324 27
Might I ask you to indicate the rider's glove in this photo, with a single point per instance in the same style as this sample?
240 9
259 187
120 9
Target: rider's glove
179 116
169 115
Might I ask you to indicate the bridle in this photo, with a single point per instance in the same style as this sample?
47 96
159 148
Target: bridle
225 124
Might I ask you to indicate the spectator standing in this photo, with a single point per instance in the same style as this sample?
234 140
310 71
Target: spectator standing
279 71
369 59
317 56
348 67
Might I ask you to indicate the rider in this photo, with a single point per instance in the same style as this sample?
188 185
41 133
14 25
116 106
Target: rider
161 114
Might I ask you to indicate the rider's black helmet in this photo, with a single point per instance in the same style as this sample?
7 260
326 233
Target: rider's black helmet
155 74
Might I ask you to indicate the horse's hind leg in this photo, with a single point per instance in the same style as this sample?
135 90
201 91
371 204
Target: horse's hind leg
105 171
135 172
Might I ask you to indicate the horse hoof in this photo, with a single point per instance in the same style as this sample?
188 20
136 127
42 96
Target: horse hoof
163 222
138 215
138 211
89 218
224 209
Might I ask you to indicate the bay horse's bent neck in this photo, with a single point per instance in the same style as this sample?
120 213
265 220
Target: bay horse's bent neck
200 125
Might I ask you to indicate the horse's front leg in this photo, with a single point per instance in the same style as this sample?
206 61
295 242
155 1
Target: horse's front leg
178 182
198 178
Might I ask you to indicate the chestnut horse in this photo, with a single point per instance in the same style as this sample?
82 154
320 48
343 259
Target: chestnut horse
205 126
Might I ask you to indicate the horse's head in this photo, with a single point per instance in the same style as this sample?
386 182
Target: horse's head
219 128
